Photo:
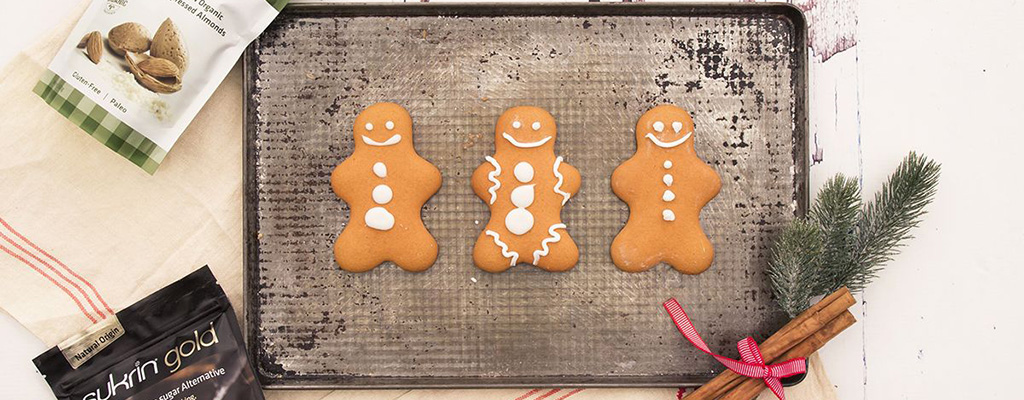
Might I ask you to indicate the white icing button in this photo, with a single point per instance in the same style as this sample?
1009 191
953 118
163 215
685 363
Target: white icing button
667 179
522 196
390 125
380 169
659 126
677 126
516 124
536 125
523 172
369 126
668 196
519 221
380 219
382 194
667 164
668 215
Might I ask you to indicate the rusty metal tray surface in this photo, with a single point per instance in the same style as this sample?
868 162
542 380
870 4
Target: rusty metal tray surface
739 69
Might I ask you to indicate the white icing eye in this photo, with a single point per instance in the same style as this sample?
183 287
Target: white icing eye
677 126
390 125
536 125
369 126
659 126
516 124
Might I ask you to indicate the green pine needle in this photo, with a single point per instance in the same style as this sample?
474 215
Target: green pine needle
836 213
792 267
841 242
886 222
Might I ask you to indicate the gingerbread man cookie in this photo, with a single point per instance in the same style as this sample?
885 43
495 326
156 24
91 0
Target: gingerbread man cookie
665 185
385 184
525 185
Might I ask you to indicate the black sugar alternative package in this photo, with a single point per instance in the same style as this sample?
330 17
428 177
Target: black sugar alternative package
180 343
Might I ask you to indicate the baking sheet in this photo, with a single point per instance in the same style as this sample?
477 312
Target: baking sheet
740 71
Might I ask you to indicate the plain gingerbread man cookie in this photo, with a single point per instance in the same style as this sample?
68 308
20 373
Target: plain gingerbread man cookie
665 185
525 185
385 184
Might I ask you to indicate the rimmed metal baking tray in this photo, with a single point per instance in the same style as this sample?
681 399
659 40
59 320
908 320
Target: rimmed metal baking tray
740 69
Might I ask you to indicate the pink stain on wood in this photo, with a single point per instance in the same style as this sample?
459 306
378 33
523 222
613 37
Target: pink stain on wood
831 25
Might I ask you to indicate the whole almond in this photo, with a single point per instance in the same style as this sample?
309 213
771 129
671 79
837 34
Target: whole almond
153 83
94 46
169 45
85 39
159 67
129 36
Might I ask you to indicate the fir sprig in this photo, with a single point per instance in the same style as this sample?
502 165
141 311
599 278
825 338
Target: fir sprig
835 214
844 243
792 269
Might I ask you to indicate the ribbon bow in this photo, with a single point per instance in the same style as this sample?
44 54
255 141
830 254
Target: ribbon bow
752 364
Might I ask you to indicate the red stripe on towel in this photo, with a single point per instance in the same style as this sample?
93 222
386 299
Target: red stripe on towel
527 394
53 281
66 268
59 274
572 392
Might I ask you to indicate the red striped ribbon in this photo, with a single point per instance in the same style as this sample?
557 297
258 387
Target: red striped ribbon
752 364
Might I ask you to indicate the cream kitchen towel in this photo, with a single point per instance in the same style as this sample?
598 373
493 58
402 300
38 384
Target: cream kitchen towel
84 233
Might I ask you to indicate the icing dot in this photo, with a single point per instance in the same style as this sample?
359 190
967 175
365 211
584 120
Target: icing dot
677 126
390 125
380 169
536 125
668 215
667 179
668 196
667 164
523 172
380 219
382 194
519 221
516 124
522 196
369 126
659 126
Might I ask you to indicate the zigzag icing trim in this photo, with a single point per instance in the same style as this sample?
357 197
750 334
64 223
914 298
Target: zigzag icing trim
558 185
493 177
504 248
555 237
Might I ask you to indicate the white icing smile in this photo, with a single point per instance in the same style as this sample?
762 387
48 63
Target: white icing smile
392 140
668 145
523 145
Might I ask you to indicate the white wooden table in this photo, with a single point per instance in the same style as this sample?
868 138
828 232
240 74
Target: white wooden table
940 77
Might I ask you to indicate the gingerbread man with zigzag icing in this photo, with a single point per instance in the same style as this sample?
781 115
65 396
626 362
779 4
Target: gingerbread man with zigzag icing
525 185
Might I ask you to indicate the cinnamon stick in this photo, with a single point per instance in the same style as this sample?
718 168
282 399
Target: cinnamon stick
750 388
794 332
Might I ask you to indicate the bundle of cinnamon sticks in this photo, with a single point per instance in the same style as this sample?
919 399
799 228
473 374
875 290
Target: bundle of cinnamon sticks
801 337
